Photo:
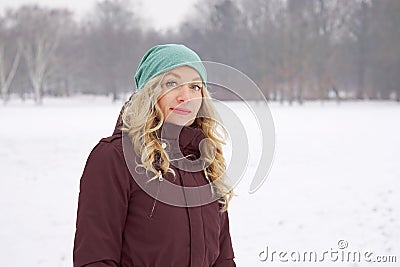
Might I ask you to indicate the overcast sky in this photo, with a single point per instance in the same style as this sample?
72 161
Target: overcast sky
161 14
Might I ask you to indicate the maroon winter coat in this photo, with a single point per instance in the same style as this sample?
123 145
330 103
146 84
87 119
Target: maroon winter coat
119 224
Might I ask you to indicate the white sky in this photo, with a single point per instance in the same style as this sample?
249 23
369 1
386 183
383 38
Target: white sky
161 14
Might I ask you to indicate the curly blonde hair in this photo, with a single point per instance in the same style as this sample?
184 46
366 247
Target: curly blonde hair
142 117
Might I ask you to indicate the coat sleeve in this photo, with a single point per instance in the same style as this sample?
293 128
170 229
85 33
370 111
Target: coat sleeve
226 255
102 208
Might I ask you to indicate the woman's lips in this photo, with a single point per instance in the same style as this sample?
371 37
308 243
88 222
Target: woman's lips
180 111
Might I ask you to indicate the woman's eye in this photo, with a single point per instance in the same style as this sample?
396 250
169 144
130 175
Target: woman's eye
171 84
196 87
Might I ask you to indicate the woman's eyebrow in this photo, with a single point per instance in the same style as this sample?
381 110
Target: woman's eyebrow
173 74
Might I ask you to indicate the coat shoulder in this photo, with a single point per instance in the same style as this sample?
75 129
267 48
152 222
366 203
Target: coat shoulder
107 160
114 140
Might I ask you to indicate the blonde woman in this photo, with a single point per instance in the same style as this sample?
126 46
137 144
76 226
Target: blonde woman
153 194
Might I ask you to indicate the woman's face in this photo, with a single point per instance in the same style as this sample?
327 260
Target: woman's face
182 96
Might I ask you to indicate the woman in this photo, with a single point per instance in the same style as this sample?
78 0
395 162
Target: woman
167 129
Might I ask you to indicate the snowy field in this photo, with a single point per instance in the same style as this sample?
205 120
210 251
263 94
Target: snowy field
335 176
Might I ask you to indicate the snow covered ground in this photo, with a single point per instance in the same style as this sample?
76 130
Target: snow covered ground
335 176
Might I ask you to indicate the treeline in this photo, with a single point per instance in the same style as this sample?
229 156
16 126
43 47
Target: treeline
295 50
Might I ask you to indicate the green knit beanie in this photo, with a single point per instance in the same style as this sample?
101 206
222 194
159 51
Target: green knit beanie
162 58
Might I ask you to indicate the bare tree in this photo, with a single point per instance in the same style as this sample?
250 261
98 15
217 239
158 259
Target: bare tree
63 77
40 29
9 57
384 40
359 29
112 42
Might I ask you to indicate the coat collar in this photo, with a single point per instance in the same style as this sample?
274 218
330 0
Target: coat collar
188 137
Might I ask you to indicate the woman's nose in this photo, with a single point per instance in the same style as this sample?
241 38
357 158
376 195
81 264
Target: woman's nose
183 93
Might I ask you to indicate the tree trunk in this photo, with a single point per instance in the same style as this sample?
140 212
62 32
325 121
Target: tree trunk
5 81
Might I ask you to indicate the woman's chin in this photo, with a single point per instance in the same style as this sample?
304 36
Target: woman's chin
179 121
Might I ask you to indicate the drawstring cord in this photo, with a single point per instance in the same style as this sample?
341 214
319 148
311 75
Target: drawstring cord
160 179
